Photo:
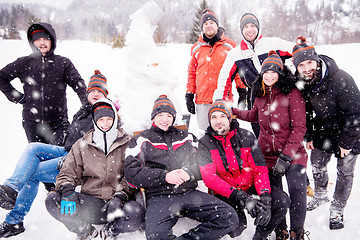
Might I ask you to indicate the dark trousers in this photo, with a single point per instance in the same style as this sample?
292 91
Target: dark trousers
91 210
45 132
279 206
296 181
216 217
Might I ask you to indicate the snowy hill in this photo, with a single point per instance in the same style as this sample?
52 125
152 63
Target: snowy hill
170 64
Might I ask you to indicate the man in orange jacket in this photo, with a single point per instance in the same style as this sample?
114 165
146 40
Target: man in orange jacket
207 57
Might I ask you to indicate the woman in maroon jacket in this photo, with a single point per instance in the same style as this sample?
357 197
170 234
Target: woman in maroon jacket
280 110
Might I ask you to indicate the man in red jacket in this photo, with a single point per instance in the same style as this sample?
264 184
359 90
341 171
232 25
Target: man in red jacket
207 57
233 168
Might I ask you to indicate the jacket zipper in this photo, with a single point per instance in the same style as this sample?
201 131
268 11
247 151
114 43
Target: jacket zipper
272 130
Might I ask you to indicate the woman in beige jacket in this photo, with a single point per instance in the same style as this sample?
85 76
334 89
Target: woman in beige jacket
95 162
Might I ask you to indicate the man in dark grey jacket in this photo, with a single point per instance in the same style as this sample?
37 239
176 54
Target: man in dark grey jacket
44 76
333 125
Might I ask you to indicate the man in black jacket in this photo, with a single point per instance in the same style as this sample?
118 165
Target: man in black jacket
41 162
333 125
44 76
162 161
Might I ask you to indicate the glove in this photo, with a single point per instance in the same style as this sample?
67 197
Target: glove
49 186
69 199
189 97
263 210
22 99
242 97
282 165
245 200
117 202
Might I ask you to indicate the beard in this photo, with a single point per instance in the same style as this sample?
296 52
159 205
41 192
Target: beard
314 78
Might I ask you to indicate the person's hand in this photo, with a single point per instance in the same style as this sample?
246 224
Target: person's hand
245 200
282 165
263 210
69 199
189 97
115 204
242 97
177 177
344 152
22 99
310 145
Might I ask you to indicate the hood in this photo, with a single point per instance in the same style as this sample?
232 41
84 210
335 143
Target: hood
104 140
49 29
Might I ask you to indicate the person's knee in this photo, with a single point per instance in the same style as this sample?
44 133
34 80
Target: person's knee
280 200
133 220
52 203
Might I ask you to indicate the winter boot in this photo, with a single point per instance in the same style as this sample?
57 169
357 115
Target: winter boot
107 232
92 233
281 233
316 202
336 221
8 230
297 234
7 197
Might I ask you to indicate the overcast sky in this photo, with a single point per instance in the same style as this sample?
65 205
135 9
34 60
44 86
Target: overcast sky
55 3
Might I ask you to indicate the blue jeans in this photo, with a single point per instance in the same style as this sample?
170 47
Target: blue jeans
38 163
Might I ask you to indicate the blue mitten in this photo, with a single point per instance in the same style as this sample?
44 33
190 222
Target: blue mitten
69 199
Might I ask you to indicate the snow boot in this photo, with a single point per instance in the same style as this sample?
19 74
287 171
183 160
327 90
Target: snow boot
336 221
8 230
107 232
316 202
7 197
281 233
93 233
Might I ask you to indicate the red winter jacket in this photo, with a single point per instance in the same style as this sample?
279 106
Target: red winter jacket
204 67
233 161
282 118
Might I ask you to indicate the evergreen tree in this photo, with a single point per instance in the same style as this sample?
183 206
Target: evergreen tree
195 30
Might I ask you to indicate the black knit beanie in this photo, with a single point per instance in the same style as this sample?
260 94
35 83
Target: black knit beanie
273 62
220 105
163 104
304 50
208 14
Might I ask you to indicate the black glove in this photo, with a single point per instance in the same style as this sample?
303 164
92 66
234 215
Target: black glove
242 97
189 97
282 164
117 202
69 199
245 200
22 99
263 210
49 186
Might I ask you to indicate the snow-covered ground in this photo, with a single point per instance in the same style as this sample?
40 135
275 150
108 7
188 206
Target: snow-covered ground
169 63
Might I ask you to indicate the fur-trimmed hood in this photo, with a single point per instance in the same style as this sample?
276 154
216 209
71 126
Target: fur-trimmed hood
285 84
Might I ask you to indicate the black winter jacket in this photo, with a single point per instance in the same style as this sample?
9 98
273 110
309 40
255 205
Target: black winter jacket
335 102
44 80
153 153
81 124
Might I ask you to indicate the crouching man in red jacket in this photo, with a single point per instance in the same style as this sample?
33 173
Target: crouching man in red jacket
233 168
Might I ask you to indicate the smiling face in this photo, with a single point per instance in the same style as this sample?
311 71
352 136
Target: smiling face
250 32
105 123
210 28
307 70
220 122
43 44
163 120
94 95
270 77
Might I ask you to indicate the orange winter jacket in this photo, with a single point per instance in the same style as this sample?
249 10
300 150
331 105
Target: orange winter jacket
204 68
